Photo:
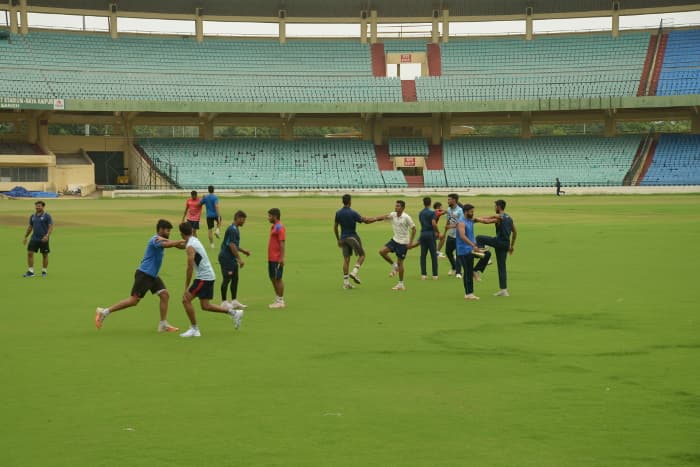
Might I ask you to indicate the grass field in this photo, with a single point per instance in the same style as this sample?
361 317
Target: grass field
593 360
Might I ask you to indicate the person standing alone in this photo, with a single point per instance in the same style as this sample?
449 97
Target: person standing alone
275 256
40 227
193 212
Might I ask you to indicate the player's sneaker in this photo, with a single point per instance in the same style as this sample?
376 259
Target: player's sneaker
99 317
355 278
217 232
458 276
237 316
399 286
348 285
277 305
477 276
394 271
490 262
423 277
435 278
237 305
28 274
471 296
502 293
451 272
44 273
165 327
191 332
440 254
226 304
211 245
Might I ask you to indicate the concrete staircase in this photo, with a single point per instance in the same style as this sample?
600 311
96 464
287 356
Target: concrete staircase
378 60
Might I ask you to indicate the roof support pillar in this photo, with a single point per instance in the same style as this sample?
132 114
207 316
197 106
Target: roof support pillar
435 30
610 124
24 22
436 130
198 25
695 123
526 125
373 27
615 23
529 28
13 19
283 30
446 126
363 28
445 26
113 21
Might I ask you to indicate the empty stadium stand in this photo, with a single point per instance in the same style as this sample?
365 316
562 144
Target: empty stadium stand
408 147
52 65
267 164
575 160
680 73
394 179
547 67
676 161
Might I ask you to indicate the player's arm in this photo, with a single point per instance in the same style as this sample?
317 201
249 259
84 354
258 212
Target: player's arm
337 233
435 227
189 271
45 238
218 214
368 220
281 261
165 243
236 253
461 231
184 213
513 236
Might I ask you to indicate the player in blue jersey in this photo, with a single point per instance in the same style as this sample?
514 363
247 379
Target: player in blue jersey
466 249
503 243
146 278
345 228
211 202
231 261
40 227
429 233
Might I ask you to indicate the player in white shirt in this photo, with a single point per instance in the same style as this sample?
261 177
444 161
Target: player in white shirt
203 284
404 233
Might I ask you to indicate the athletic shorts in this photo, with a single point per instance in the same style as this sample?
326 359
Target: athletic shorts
275 270
228 268
352 244
210 222
143 283
202 289
397 248
193 224
38 245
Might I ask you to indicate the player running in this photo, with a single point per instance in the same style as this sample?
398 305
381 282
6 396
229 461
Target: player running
211 201
346 220
146 278
203 285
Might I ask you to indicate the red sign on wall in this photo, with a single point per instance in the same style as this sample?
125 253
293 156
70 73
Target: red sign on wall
406 58
409 161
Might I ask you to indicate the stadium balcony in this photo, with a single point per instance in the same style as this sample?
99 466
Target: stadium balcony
676 161
266 163
537 162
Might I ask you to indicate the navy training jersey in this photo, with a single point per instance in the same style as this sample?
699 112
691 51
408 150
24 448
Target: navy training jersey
232 235
347 218
504 228
425 217
40 225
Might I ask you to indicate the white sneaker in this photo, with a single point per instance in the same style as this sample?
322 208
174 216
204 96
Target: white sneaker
191 332
393 272
502 293
423 278
211 245
277 305
471 296
237 316
440 254
435 278
166 327
477 276
490 262
237 305
399 286
451 272
348 286
355 277
458 276
227 304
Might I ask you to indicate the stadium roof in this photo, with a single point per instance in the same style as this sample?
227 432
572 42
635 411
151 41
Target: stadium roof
352 8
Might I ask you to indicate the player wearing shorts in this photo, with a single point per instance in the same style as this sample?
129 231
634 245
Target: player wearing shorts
230 260
193 212
40 227
211 201
146 278
203 285
275 256
400 242
345 229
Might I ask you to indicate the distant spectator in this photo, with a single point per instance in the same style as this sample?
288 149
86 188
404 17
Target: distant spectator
559 190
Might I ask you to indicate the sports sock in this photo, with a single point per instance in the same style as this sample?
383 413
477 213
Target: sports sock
395 265
105 312
43 270
31 269
346 278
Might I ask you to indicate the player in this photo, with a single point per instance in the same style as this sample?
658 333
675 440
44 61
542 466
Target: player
193 212
466 247
503 243
454 214
400 242
275 256
559 190
203 284
146 278
40 227
429 232
230 260
211 201
437 207
345 229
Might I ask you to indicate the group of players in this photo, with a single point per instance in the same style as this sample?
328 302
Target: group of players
458 236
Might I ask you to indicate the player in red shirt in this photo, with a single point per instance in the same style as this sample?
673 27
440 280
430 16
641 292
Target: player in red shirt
437 206
275 256
193 212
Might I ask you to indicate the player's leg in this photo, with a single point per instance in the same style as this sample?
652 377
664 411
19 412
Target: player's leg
227 275
187 298
485 240
356 245
31 249
400 251
424 248
275 271
501 256
384 253
210 226
481 265
164 300
432 250
450 247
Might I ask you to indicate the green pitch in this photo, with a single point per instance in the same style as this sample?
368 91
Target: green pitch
592 361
